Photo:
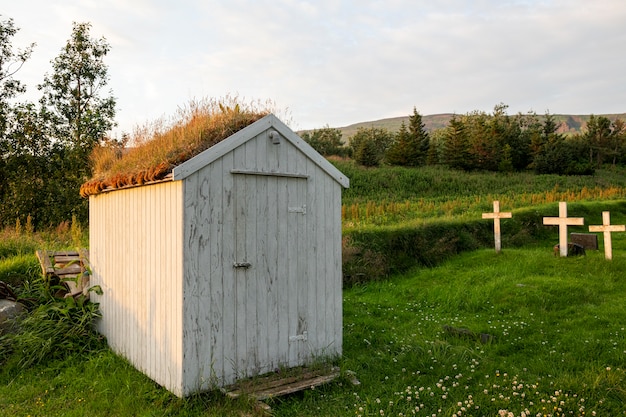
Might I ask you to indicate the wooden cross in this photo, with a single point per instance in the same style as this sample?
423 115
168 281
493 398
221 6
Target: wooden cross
496 216
607 228
563 221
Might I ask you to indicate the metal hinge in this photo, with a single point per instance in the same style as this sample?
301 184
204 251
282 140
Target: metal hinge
297 209
244 265
300 337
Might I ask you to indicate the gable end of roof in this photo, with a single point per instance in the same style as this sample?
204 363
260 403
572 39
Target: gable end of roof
270 121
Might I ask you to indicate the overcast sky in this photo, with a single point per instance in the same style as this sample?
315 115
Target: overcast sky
333 62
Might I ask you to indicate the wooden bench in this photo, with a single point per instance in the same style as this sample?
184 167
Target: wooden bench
70 267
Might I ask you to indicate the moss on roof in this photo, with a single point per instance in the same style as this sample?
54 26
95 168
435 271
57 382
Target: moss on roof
158 150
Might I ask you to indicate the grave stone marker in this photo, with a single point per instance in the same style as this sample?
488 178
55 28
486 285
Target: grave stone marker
496 216
607 228
586 240
563 221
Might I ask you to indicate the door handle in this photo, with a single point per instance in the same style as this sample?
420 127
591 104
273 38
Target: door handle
244 265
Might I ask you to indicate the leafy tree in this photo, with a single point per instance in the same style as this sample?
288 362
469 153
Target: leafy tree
10 63
327 141
369 145
82 113
29 167
79 112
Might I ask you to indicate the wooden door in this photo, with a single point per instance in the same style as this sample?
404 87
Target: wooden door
270 272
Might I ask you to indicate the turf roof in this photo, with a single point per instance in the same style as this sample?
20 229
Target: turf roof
153 159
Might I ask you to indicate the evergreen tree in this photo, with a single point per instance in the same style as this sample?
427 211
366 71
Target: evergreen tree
400 152
618 141
456 145
369 145
418 139
554 154
599 135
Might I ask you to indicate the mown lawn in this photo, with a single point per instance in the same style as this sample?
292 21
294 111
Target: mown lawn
556 346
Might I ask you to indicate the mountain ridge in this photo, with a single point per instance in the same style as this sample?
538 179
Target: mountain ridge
568 123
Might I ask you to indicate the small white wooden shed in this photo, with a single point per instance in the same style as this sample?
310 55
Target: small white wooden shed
230 269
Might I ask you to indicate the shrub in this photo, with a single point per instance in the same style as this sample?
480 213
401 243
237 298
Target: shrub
53 329
375 253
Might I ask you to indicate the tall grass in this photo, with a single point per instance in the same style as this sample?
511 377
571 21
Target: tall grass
405 196
54 327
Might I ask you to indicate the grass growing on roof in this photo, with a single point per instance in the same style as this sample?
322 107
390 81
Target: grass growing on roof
158 147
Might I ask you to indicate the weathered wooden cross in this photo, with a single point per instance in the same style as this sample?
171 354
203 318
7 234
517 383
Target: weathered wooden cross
563 221
607 228
496 216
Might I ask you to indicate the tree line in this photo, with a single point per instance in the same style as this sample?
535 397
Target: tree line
479 141
45 146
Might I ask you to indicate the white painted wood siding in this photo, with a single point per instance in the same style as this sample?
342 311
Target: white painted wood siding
164 254
136 257
238 322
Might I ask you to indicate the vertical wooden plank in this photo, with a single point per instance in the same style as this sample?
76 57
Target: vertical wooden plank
172 252
215 282
307 297
282 263
239 197
226 241
252 274
142 218
191 268
332 277
262 272
272 255
338 274
202 296
168 234
121 289
294 279
283 271
109 293
160 202
169 253
272 352
149 275
315 302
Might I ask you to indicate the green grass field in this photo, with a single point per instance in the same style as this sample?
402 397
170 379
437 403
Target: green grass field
557 346
553 344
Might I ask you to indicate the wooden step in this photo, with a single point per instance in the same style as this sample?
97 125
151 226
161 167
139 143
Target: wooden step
275 385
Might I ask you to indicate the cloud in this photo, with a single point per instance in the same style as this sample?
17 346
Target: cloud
343 62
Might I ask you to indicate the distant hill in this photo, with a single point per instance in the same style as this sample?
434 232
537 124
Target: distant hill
570 123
